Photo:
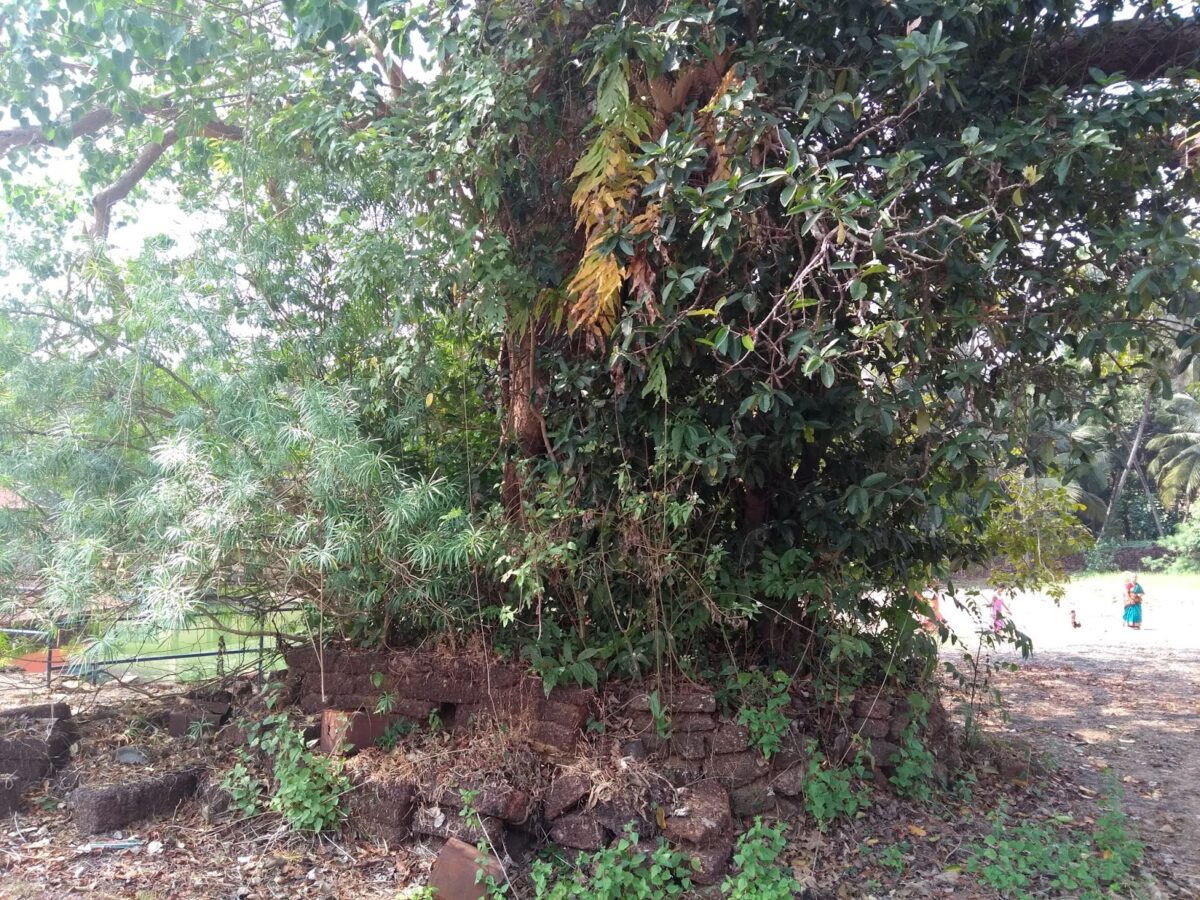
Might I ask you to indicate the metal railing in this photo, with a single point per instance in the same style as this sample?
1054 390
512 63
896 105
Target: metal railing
93 669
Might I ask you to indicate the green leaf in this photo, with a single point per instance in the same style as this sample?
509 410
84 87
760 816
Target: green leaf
1138 279
994 254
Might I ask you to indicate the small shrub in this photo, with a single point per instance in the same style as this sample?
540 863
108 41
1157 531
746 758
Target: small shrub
963 788
829 792
895 857
762 703
569 667
1101 556
620 872
1184 542
306 787
245 788
758 873
1120 850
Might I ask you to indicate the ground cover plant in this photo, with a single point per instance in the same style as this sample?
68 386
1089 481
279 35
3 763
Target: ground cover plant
1017 860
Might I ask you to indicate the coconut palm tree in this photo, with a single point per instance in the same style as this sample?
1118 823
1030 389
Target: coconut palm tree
1176 464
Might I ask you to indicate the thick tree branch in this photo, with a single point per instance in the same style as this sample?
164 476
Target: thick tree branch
102 203
223 131
35 135
96 120
1141 49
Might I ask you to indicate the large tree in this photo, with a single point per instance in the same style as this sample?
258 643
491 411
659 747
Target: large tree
762 297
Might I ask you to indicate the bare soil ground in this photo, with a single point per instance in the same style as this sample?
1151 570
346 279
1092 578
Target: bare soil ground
1107 703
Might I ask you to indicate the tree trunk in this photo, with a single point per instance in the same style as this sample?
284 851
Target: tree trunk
1133 451
1151 499
522 428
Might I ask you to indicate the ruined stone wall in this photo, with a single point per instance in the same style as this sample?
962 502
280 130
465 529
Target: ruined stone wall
689 781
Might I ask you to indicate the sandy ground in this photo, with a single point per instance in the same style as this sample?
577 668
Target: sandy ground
1112 703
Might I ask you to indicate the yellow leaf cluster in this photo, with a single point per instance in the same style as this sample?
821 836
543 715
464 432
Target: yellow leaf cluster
608 181
595 292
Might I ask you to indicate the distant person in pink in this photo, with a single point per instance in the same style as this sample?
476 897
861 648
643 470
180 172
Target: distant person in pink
999 612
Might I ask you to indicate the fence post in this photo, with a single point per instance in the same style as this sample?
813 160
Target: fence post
262 621
49 655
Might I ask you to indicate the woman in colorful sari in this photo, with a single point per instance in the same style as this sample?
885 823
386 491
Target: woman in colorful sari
1133 601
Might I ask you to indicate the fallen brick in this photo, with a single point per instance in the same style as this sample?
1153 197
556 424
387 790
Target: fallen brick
711 862
444 822
692 722
870 728
872 708
576 695
754 799
790 782
564 714
500 801
38 711
349 732
736 769
460 872
681 772
731 738
382 809
197 715
693 702
551 738
689 745
616 817
114 806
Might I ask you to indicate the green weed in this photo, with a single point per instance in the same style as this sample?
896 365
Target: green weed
758 873
914 763
1019 859
762 703
895 857
829 792
393 733
624 871
306 787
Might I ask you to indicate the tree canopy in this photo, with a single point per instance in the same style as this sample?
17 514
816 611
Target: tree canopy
618 322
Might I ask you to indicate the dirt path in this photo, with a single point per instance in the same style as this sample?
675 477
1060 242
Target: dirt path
1105 702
